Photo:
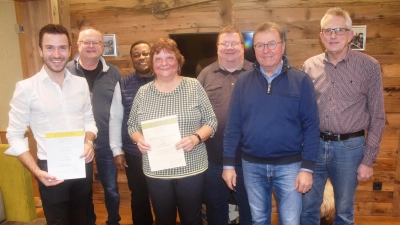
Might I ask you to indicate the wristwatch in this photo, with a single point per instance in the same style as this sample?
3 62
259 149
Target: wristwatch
198 137
91 142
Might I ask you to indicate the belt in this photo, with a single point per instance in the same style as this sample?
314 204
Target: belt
340 137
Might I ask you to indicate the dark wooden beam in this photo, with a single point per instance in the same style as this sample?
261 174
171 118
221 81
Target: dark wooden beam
226 13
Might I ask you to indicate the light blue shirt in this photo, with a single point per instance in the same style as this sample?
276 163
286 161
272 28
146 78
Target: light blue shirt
274 75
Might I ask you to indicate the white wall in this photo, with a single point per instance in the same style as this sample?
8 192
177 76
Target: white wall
10 59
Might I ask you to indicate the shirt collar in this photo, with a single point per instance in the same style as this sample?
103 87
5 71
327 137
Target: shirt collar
240 67
102 61
275 74
345 59
225 71
44 76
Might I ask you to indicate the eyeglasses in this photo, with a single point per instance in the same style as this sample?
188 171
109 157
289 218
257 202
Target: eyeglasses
87 43
137 55
338 31
271 45
233 44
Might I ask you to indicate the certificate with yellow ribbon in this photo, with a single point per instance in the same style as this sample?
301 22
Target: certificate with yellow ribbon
63 151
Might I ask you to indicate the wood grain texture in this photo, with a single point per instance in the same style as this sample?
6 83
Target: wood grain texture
132 20
396 191
33 15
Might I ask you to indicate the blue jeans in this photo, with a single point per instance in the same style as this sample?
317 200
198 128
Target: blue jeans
338 160
108 177
216 195
260 179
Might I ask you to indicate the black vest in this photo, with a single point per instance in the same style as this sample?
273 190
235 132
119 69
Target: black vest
130 85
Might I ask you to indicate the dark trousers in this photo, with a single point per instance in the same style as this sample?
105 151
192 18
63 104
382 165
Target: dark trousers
217 194
140 202
65 203
184 193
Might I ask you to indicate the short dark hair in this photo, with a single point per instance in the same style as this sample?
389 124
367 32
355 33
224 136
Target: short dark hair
138 43
53 29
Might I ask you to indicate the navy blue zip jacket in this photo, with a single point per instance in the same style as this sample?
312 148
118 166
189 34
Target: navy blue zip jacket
275 123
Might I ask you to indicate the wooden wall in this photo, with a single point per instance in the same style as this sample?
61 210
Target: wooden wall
132 20
33 15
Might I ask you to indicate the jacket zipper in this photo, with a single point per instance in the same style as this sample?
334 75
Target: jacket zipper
269 88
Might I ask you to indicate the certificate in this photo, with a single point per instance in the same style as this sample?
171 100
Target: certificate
162 134
63 151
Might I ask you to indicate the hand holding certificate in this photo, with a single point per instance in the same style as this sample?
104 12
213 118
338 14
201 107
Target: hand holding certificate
162 134
63 151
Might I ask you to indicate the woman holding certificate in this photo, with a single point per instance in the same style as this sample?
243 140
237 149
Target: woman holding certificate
170 118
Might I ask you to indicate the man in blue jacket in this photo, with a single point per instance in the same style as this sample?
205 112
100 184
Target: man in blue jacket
273 117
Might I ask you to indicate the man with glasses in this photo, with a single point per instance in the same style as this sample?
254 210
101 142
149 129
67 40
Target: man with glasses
273 119
218 79
102 78
349 92
126 154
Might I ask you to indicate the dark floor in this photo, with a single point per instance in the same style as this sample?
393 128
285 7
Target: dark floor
325 221
42 221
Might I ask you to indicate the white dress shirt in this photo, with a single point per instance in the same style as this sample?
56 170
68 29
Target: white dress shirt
43 105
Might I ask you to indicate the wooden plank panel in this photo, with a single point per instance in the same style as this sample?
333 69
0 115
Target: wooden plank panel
393 119
372 208
391 82
391 132
386 164
389 143
388 149
374 196
386 59
391 70
254 4
29 40
392 100
386 185
132 20
396 194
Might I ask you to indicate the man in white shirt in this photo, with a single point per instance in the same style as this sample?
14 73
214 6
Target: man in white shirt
54 100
